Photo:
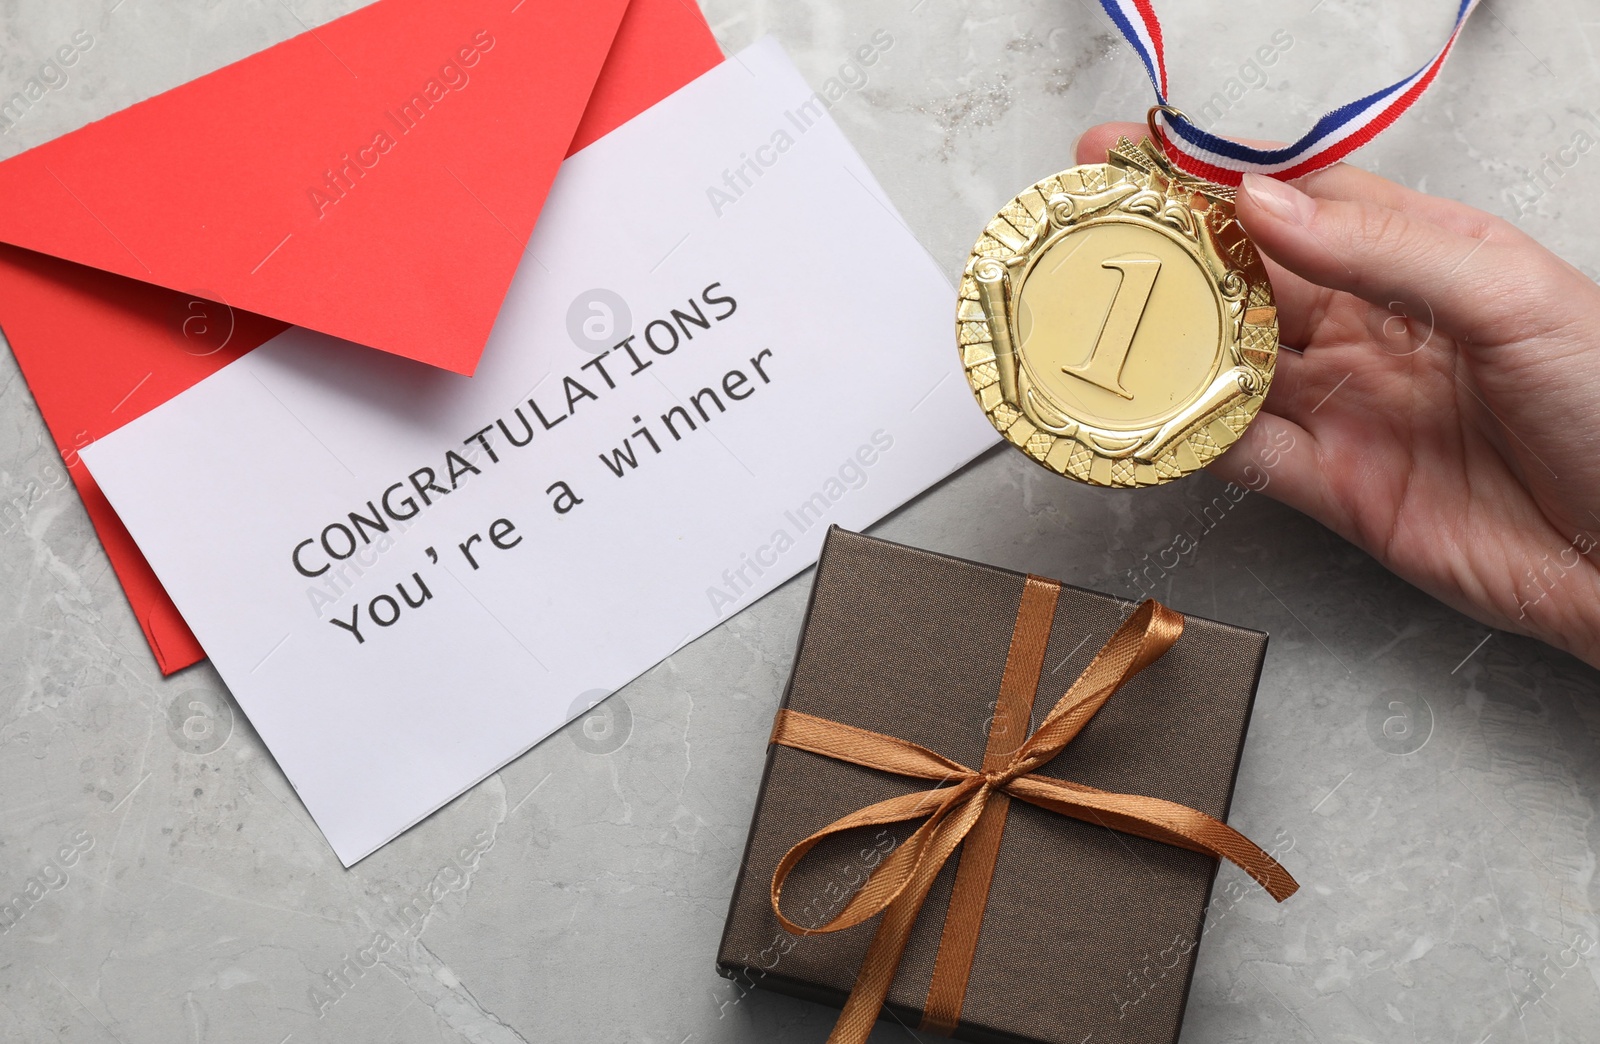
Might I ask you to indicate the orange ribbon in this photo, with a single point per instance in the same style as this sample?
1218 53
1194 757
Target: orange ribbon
970 805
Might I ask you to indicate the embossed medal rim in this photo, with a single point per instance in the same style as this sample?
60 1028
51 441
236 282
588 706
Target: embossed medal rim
1195 434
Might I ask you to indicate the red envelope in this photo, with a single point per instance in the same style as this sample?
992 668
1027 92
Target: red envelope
373 178
99 349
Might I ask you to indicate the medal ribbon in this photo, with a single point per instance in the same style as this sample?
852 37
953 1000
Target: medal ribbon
1225 162
966 809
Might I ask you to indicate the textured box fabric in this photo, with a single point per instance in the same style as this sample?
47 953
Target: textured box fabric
913 644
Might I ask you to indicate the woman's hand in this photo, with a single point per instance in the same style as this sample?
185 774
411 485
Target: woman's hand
1442 386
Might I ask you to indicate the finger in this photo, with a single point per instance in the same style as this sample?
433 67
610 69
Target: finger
1352 184
1385 255
1278 457
1302 383
1301 304
1291 375
1095 142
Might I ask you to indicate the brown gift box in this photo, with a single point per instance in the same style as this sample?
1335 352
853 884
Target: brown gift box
1088 933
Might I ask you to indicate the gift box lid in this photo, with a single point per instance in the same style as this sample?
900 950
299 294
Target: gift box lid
1088 933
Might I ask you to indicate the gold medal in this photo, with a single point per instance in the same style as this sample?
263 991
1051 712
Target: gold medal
1116 324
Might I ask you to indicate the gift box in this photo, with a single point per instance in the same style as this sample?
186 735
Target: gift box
992 804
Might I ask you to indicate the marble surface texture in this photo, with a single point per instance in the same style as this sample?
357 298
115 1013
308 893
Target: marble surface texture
1437 784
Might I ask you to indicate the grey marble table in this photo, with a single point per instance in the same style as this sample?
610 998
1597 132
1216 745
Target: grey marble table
1436 784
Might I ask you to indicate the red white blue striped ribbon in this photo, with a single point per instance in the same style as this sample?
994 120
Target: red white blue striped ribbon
1334 137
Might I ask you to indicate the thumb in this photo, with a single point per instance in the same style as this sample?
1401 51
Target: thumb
1387 256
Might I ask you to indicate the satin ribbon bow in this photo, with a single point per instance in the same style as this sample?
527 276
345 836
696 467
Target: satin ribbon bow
969 805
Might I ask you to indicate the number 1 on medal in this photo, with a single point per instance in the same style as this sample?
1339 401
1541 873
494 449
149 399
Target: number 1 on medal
1104 365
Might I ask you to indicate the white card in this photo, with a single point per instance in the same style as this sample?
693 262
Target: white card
791 366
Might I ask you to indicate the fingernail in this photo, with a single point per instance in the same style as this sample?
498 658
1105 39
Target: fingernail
1279 198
